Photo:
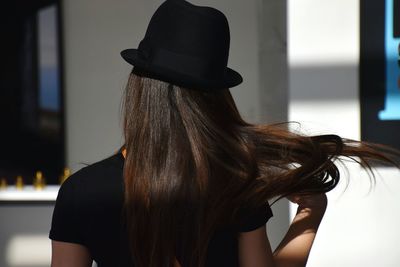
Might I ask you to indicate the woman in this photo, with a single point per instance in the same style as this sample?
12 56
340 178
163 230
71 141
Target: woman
191 184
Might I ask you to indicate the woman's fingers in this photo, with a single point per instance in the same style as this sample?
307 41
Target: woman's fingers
309 201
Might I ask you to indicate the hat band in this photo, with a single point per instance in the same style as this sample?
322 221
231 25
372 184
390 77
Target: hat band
184 64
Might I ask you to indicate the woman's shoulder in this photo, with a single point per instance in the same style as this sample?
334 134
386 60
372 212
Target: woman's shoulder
95 175
84 196
97 169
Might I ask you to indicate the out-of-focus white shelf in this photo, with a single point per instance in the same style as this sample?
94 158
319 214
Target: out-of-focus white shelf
29 193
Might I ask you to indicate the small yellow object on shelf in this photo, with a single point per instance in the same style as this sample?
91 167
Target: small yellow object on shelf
39 182
3 183
19 182
65 175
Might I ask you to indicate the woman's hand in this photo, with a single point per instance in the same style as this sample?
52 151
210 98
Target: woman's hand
316 202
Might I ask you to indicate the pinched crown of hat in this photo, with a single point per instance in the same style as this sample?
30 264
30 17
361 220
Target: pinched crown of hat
186 45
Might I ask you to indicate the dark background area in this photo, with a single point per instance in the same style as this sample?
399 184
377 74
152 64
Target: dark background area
372 74
26 146
396 18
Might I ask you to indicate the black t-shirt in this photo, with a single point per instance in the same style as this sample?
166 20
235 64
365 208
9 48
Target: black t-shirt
88 212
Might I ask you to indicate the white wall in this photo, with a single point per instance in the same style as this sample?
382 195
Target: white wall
358 229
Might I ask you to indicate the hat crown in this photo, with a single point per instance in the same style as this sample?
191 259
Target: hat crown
184 28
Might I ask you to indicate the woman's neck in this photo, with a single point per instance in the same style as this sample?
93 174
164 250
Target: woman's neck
124 152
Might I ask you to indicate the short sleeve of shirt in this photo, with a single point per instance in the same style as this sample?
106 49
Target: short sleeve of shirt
254 219
65 224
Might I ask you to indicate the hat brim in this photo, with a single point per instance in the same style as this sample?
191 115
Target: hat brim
232 78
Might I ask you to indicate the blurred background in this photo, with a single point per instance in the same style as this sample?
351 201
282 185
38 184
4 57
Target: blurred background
320 63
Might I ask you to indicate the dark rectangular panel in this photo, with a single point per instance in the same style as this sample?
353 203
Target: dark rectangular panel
373 76
396 19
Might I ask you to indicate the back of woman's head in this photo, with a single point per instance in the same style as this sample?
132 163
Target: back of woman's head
181 145
197 109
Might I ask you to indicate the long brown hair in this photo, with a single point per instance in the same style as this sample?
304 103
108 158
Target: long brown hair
192 163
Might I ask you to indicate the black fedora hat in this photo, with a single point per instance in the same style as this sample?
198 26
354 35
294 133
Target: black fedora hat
186 45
